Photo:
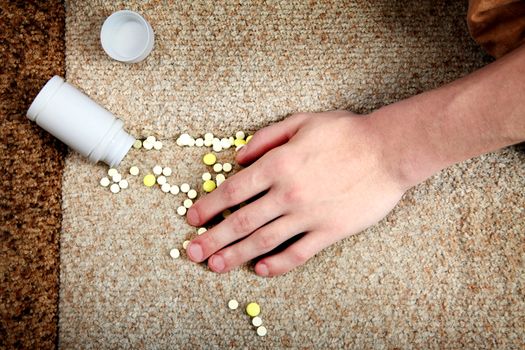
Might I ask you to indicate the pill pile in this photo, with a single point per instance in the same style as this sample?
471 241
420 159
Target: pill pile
116 183
253 310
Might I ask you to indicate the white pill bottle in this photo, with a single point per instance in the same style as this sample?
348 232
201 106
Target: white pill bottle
79 122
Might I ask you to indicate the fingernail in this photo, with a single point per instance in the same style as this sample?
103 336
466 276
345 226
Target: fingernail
241 150
263 270
193 217
217 262
195 252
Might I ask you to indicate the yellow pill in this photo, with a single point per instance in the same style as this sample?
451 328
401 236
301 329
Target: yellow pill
209 159
239 142
253 309
149 180
209 185
249 138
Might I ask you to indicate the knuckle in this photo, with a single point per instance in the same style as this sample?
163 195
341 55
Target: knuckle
298 256
292 195
268 241
229 191
241 223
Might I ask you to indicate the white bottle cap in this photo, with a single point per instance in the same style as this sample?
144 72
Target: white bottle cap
127 37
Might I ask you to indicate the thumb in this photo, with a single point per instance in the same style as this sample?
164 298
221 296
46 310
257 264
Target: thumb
270 137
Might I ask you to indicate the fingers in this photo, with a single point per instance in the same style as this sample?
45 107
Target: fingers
261 241
236 226
242 186
295 255
270 137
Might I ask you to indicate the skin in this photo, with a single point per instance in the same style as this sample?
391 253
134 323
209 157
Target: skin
331 175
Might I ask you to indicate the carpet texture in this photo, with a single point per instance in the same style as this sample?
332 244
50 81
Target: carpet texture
443 270
31 163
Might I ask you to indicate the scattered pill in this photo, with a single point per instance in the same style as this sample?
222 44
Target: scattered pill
185 244
167 171
206 176
219 179
192 194
201 230
112 172
161 180
199 142
179 142
104 182
181 210
165 188
253 309
208 136
157 145
186 139
225 143
233 304
239 135
137 144
174 189
208 143
232 140
249 138
209 185
134 170
174 253
261 331
217 147
257 321
123 184
185 188
209 159
239 142
151 139
187 203
227 167
217 167
147 145
115 188
117 177
149 180
157 170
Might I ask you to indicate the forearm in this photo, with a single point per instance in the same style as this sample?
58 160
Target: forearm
479 113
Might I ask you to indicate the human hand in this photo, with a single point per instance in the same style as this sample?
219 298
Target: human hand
323 175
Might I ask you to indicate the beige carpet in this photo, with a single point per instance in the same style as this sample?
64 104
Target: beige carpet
444 270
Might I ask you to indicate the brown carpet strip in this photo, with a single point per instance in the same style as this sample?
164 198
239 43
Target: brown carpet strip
31 163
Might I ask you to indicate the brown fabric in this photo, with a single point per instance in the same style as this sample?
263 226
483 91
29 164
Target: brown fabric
31 164
497 25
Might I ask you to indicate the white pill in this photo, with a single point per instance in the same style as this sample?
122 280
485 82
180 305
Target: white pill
181 210
112 172
217 147
208 143
199 142
161 180
137 144
185 244
257 321
192 194
206 176
225 143
219 179
240 135
238 148
233 304
215 141
174 253
185 139
208 136
232 139
147 145
115 188
104 182
123 184
157 145
191 142
261 331
201 230
217 167
134 170
167 171
116 178
179 142
157 170
174 189
227 167
150 139
165 188
187 203
184 188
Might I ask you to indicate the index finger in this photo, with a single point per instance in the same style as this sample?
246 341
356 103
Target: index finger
242 186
